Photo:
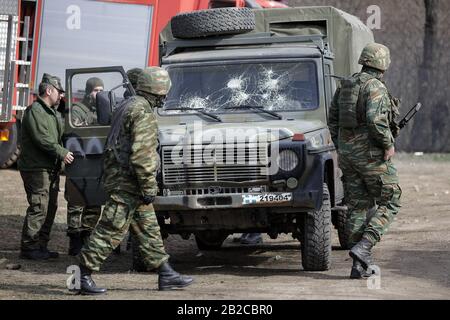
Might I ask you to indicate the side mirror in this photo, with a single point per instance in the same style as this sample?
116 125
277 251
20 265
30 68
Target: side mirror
104 108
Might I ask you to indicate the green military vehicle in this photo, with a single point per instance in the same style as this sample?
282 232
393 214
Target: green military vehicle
244 144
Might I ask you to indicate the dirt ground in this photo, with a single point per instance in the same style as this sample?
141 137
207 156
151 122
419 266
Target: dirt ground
414 256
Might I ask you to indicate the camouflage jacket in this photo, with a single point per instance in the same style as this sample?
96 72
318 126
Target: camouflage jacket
82 115
379 113
41 138
140 127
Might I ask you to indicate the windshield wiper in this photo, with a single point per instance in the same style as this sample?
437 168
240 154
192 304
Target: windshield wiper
258 108
210 115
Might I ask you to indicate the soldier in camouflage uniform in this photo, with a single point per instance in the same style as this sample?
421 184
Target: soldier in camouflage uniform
82 220
133 75
130 165
361 123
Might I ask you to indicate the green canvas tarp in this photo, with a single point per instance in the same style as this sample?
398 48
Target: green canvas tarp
346 34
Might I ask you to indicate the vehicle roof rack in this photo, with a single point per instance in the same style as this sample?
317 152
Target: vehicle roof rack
168 48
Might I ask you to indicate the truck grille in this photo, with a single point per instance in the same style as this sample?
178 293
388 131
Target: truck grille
195 164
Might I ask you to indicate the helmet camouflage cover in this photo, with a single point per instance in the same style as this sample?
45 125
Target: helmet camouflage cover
154 80
133 75
376 55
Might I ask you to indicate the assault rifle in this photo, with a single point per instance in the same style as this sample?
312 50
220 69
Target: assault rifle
397 127
410 115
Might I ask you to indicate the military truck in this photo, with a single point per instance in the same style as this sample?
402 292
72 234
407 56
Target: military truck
244 144
258 100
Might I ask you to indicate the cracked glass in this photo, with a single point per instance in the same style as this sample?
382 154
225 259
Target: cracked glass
277 86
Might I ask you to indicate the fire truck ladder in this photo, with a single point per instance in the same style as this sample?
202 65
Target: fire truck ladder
10 83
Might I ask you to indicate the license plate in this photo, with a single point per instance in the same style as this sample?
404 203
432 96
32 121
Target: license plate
266 198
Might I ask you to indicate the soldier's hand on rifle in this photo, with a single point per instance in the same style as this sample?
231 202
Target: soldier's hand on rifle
68 159
389 154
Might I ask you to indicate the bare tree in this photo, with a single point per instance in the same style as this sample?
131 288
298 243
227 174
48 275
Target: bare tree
422 133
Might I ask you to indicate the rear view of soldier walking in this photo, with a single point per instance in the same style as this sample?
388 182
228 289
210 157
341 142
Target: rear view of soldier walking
130 166
40 165
363 129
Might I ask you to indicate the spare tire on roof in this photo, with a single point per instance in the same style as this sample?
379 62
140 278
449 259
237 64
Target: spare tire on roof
213 22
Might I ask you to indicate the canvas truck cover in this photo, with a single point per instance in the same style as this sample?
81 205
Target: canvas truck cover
346 34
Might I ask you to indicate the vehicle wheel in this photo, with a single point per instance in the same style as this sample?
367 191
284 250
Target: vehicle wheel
316 236
341 226
9 150
210 240
212 22
138 263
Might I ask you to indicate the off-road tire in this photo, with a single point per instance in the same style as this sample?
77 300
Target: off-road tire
316 237
12 159
9 150
212 22
210 240
341 227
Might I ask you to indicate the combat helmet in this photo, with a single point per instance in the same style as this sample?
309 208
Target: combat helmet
376 55
154 80
133 75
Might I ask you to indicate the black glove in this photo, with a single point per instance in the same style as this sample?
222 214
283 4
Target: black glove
147 199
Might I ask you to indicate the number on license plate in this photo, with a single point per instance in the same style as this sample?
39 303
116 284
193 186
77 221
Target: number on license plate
266 198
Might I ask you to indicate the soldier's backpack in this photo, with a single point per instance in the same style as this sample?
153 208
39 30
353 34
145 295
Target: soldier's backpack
118 142
352 109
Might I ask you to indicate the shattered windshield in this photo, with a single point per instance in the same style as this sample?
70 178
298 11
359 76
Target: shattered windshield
281 86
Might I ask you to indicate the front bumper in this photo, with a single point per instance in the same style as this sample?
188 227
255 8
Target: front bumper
297 199
308 196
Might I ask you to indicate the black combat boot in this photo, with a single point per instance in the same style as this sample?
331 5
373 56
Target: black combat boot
87 284
75 244
362 252
358 272
117 250
35 254
51 254
170 279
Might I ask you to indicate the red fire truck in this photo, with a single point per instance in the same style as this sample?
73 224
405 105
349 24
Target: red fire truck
50 36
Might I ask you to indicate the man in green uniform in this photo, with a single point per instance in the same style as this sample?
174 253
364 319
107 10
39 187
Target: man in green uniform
362 127
130 166
39 165
82 220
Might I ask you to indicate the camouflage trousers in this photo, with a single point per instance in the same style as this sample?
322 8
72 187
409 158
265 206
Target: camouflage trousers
369 183
42 189
82 218
122 212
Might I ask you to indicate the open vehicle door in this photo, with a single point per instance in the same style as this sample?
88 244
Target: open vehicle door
89 107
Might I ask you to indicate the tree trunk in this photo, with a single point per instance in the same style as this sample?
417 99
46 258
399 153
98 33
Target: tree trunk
423 125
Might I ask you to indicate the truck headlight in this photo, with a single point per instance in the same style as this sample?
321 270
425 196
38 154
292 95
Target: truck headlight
287 160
